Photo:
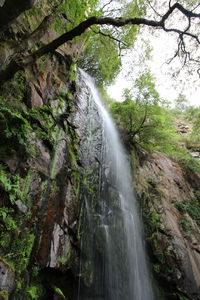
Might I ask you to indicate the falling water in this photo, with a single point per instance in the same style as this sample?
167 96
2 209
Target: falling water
113 265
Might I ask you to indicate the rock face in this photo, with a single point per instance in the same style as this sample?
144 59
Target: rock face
170 201
43 218
7 277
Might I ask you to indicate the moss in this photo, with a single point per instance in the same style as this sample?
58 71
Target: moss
26 187
59 292
34 292
72 72
153 224
3 295
13 186
20 129
192 207
15 131
186 225
54 159
133 160
7 264
14 92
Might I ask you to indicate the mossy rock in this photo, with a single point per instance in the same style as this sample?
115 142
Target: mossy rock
7 276
3 295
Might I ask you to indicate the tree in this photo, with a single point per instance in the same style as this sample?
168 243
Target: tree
142 119
181 102
17 62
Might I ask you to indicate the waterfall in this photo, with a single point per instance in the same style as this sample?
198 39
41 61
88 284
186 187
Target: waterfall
113 263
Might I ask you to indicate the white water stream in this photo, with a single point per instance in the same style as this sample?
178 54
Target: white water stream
123 273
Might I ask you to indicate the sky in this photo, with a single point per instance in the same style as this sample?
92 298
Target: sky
169 87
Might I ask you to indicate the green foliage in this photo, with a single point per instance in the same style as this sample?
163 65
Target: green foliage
181 102
106 98
153 221
20 249
59 292
192 115
14 92
144 120
95 59
186 225
11 185
72 13
146 90
15 131
192 207
147 124
43 123
106 44
35 291
7 222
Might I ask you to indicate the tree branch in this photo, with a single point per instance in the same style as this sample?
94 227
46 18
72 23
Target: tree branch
106 4
136 131
151 6
109 36
83 26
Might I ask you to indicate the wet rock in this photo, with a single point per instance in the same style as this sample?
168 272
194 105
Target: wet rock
179 249
7 277
43 159
12 162
21 206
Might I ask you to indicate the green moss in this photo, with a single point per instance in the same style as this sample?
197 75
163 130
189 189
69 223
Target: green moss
3 295
192 207
186 225
14 92
153 223
72 72
59 292
66 96
133 159
15 131
26 187
35 292
13 187
55 154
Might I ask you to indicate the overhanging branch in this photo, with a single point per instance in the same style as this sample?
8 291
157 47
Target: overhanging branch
83 26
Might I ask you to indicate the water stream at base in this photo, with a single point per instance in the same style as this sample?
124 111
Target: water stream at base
113 240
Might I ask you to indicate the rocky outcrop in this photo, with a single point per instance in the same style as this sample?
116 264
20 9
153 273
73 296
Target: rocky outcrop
7 277
169 195
42 219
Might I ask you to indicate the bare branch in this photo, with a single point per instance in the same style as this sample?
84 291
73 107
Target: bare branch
196 7
153 8
106 4
182 33
109 36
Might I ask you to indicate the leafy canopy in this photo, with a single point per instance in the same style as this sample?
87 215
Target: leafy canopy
142 119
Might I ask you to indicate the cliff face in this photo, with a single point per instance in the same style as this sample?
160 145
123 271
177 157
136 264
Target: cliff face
40 181
169 195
